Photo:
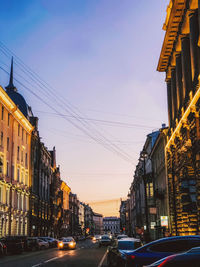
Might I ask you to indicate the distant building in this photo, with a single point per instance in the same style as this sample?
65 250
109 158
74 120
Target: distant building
98 223
82 217
122 212
89 223
111 225
66 213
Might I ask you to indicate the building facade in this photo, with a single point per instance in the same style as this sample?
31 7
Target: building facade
15 144
111 225
98 223
180 60
66 214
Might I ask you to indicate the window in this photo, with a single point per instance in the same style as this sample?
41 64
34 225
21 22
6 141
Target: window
26 178
18 130
1 164
26 138
7 169
1 141
7 197
18 174
22 134
13 172
8 143
22 202
26 160
22 156
170 246
2 112
18 153
8 119
0 194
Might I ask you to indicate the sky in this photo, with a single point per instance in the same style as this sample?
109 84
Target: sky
104 95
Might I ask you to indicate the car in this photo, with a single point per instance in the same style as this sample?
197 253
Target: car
52 241
105 240
14 244
67 243
161 248
189 258
3 249
116 254
96 238
42 244
121 236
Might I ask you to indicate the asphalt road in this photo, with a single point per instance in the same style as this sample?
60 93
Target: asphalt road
87 254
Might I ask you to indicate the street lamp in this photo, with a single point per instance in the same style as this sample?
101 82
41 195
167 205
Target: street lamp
143 157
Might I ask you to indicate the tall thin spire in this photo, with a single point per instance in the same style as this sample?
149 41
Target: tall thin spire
11 85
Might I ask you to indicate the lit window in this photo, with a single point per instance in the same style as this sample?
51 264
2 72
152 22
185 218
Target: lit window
18 130
8 119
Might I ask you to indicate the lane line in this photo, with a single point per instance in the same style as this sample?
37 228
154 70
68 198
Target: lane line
102 260
53 259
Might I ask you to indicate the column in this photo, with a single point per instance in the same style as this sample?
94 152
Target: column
174 96
194 34
169 102
179 84
186 67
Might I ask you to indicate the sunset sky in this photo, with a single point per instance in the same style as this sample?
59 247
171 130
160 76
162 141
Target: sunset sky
99 58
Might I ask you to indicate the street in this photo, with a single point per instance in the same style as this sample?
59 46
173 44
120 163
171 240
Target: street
87 254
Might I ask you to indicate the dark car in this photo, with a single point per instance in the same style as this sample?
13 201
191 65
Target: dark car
189 258
161 248
14 244
105 240
52 241
116 255
3 249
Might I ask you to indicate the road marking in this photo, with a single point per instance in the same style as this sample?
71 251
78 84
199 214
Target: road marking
102 260
52 259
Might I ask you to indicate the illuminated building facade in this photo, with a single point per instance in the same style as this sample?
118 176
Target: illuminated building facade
66 217
180 60
15 138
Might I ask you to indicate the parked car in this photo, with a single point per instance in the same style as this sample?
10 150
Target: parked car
121 236
116 255
52 241
67 243
42 244
14 244
3 249
161 248
189 258
105 240
30 243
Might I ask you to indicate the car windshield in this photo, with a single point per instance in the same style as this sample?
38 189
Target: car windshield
105 237
68 240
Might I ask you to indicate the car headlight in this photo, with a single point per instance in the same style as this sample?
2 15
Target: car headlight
94 239
60 244
72 244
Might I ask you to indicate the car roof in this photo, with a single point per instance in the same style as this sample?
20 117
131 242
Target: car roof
194 250
129 239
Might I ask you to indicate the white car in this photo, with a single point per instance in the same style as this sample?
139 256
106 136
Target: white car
67 243
42 244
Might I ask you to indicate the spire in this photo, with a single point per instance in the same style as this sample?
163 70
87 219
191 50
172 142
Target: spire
11 85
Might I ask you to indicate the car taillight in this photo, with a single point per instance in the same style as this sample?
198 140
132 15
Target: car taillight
130 257
4 246
166 260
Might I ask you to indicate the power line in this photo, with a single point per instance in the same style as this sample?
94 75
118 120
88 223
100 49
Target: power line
73 113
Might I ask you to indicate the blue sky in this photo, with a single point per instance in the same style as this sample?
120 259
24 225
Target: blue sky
102 56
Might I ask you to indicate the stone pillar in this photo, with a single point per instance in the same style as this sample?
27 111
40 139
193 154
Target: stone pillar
169 102
194 34
174 96
179 84
186 67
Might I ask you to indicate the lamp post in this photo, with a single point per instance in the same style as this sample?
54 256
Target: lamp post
143 156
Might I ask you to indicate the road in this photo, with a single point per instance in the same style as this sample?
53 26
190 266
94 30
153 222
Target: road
87 254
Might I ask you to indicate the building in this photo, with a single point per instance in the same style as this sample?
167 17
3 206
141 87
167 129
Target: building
56 198
66 214
111 225
75 228
15 149
98 223
89 223
122 212
180 61
82 217
160 184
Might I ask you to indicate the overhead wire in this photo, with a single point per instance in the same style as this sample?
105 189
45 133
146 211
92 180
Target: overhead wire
92 137
74 114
